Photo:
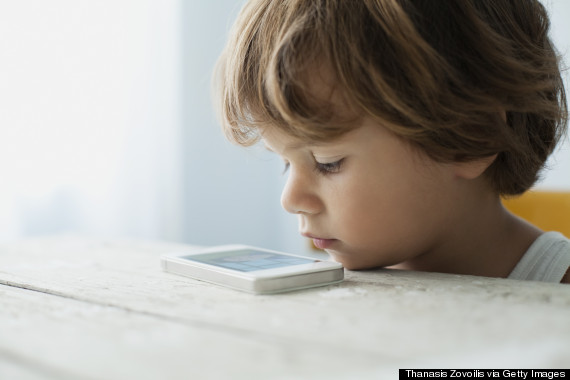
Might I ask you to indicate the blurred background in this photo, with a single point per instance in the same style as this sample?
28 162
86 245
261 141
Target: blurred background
107 129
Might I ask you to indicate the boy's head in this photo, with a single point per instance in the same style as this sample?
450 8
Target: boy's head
460 80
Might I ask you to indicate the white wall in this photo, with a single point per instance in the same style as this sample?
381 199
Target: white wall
231 194
557 177
89 111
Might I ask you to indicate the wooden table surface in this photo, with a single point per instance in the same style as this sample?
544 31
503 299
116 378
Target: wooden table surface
79 308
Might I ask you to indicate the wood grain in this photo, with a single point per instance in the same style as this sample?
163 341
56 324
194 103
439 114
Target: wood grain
101 309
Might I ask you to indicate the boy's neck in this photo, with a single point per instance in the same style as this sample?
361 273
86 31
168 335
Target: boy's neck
489 241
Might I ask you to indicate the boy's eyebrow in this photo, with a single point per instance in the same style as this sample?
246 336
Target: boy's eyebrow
290 146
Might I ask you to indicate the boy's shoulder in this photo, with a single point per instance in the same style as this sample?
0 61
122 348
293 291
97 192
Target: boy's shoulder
547 260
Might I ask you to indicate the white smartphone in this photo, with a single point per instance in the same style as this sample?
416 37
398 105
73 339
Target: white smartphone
254 270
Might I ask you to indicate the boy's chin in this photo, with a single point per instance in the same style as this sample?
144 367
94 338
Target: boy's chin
353 262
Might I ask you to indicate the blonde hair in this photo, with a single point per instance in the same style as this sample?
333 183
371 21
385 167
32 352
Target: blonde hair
439 74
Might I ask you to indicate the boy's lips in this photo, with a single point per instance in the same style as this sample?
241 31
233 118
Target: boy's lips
320 243
323 243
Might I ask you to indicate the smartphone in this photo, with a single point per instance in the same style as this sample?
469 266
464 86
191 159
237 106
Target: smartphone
253 270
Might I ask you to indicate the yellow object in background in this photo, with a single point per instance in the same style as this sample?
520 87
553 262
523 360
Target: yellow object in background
548 210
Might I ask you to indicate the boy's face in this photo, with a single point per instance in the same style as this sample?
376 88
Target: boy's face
368 198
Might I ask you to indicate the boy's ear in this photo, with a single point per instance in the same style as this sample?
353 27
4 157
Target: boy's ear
474 168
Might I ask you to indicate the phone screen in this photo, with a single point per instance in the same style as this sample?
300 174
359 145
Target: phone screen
248 260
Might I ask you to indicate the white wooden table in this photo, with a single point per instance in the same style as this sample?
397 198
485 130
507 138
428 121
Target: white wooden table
77 308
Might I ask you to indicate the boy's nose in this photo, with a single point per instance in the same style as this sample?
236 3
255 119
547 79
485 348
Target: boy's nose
299 196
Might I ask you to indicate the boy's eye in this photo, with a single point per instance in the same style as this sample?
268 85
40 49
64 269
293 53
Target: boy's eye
329 167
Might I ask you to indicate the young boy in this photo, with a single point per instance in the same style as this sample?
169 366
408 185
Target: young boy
402 123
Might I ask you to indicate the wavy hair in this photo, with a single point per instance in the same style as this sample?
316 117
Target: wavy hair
460 80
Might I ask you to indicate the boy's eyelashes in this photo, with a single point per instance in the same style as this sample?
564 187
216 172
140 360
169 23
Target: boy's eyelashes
329 167
322 167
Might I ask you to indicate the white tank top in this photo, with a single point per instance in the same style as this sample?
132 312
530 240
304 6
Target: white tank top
547 259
